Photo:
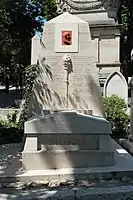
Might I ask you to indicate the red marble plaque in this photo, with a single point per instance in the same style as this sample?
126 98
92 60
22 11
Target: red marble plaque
66 37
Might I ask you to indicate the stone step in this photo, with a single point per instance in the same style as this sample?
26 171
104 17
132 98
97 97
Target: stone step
58 159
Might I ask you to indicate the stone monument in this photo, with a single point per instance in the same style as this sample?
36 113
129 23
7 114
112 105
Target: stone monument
68 76
69 55
68 79
101 15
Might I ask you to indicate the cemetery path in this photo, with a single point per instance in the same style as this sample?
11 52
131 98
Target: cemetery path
117 193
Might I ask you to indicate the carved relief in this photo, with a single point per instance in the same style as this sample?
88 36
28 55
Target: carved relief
83 5
67 63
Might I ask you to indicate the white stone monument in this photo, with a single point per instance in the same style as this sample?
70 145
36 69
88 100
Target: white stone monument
66 34
67 139
68 142
116 84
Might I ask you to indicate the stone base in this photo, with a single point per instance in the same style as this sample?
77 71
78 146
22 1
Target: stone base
66 159
123 167
122 170
67 139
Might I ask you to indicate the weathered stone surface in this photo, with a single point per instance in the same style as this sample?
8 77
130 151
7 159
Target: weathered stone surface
82 5
67 140
68 122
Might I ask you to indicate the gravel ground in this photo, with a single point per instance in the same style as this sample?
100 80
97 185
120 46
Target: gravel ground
10 159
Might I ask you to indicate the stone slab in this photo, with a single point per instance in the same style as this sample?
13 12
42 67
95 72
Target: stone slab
68 122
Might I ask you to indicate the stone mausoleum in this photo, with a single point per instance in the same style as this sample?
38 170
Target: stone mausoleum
101 16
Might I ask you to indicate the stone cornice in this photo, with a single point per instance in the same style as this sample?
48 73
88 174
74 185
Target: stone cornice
86 5
105 65
104 25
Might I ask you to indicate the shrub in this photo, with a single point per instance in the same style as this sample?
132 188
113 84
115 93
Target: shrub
10 135
115 111
9 131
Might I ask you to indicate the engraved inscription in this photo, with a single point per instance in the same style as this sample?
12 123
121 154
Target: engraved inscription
69 140
83 141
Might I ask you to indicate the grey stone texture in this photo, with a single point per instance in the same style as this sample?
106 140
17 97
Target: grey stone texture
67 122
67 140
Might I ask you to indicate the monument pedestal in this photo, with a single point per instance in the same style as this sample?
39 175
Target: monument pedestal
67 140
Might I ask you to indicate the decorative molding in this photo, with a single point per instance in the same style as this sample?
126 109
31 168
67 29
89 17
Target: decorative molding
86 5
105 25
107 65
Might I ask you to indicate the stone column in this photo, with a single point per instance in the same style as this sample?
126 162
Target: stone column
35 49
67 63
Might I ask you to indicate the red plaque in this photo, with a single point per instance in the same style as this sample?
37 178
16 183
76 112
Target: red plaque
66 37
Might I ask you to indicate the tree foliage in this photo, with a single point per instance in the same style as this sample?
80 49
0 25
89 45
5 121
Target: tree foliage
126 20
31 74
47 8
17 25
